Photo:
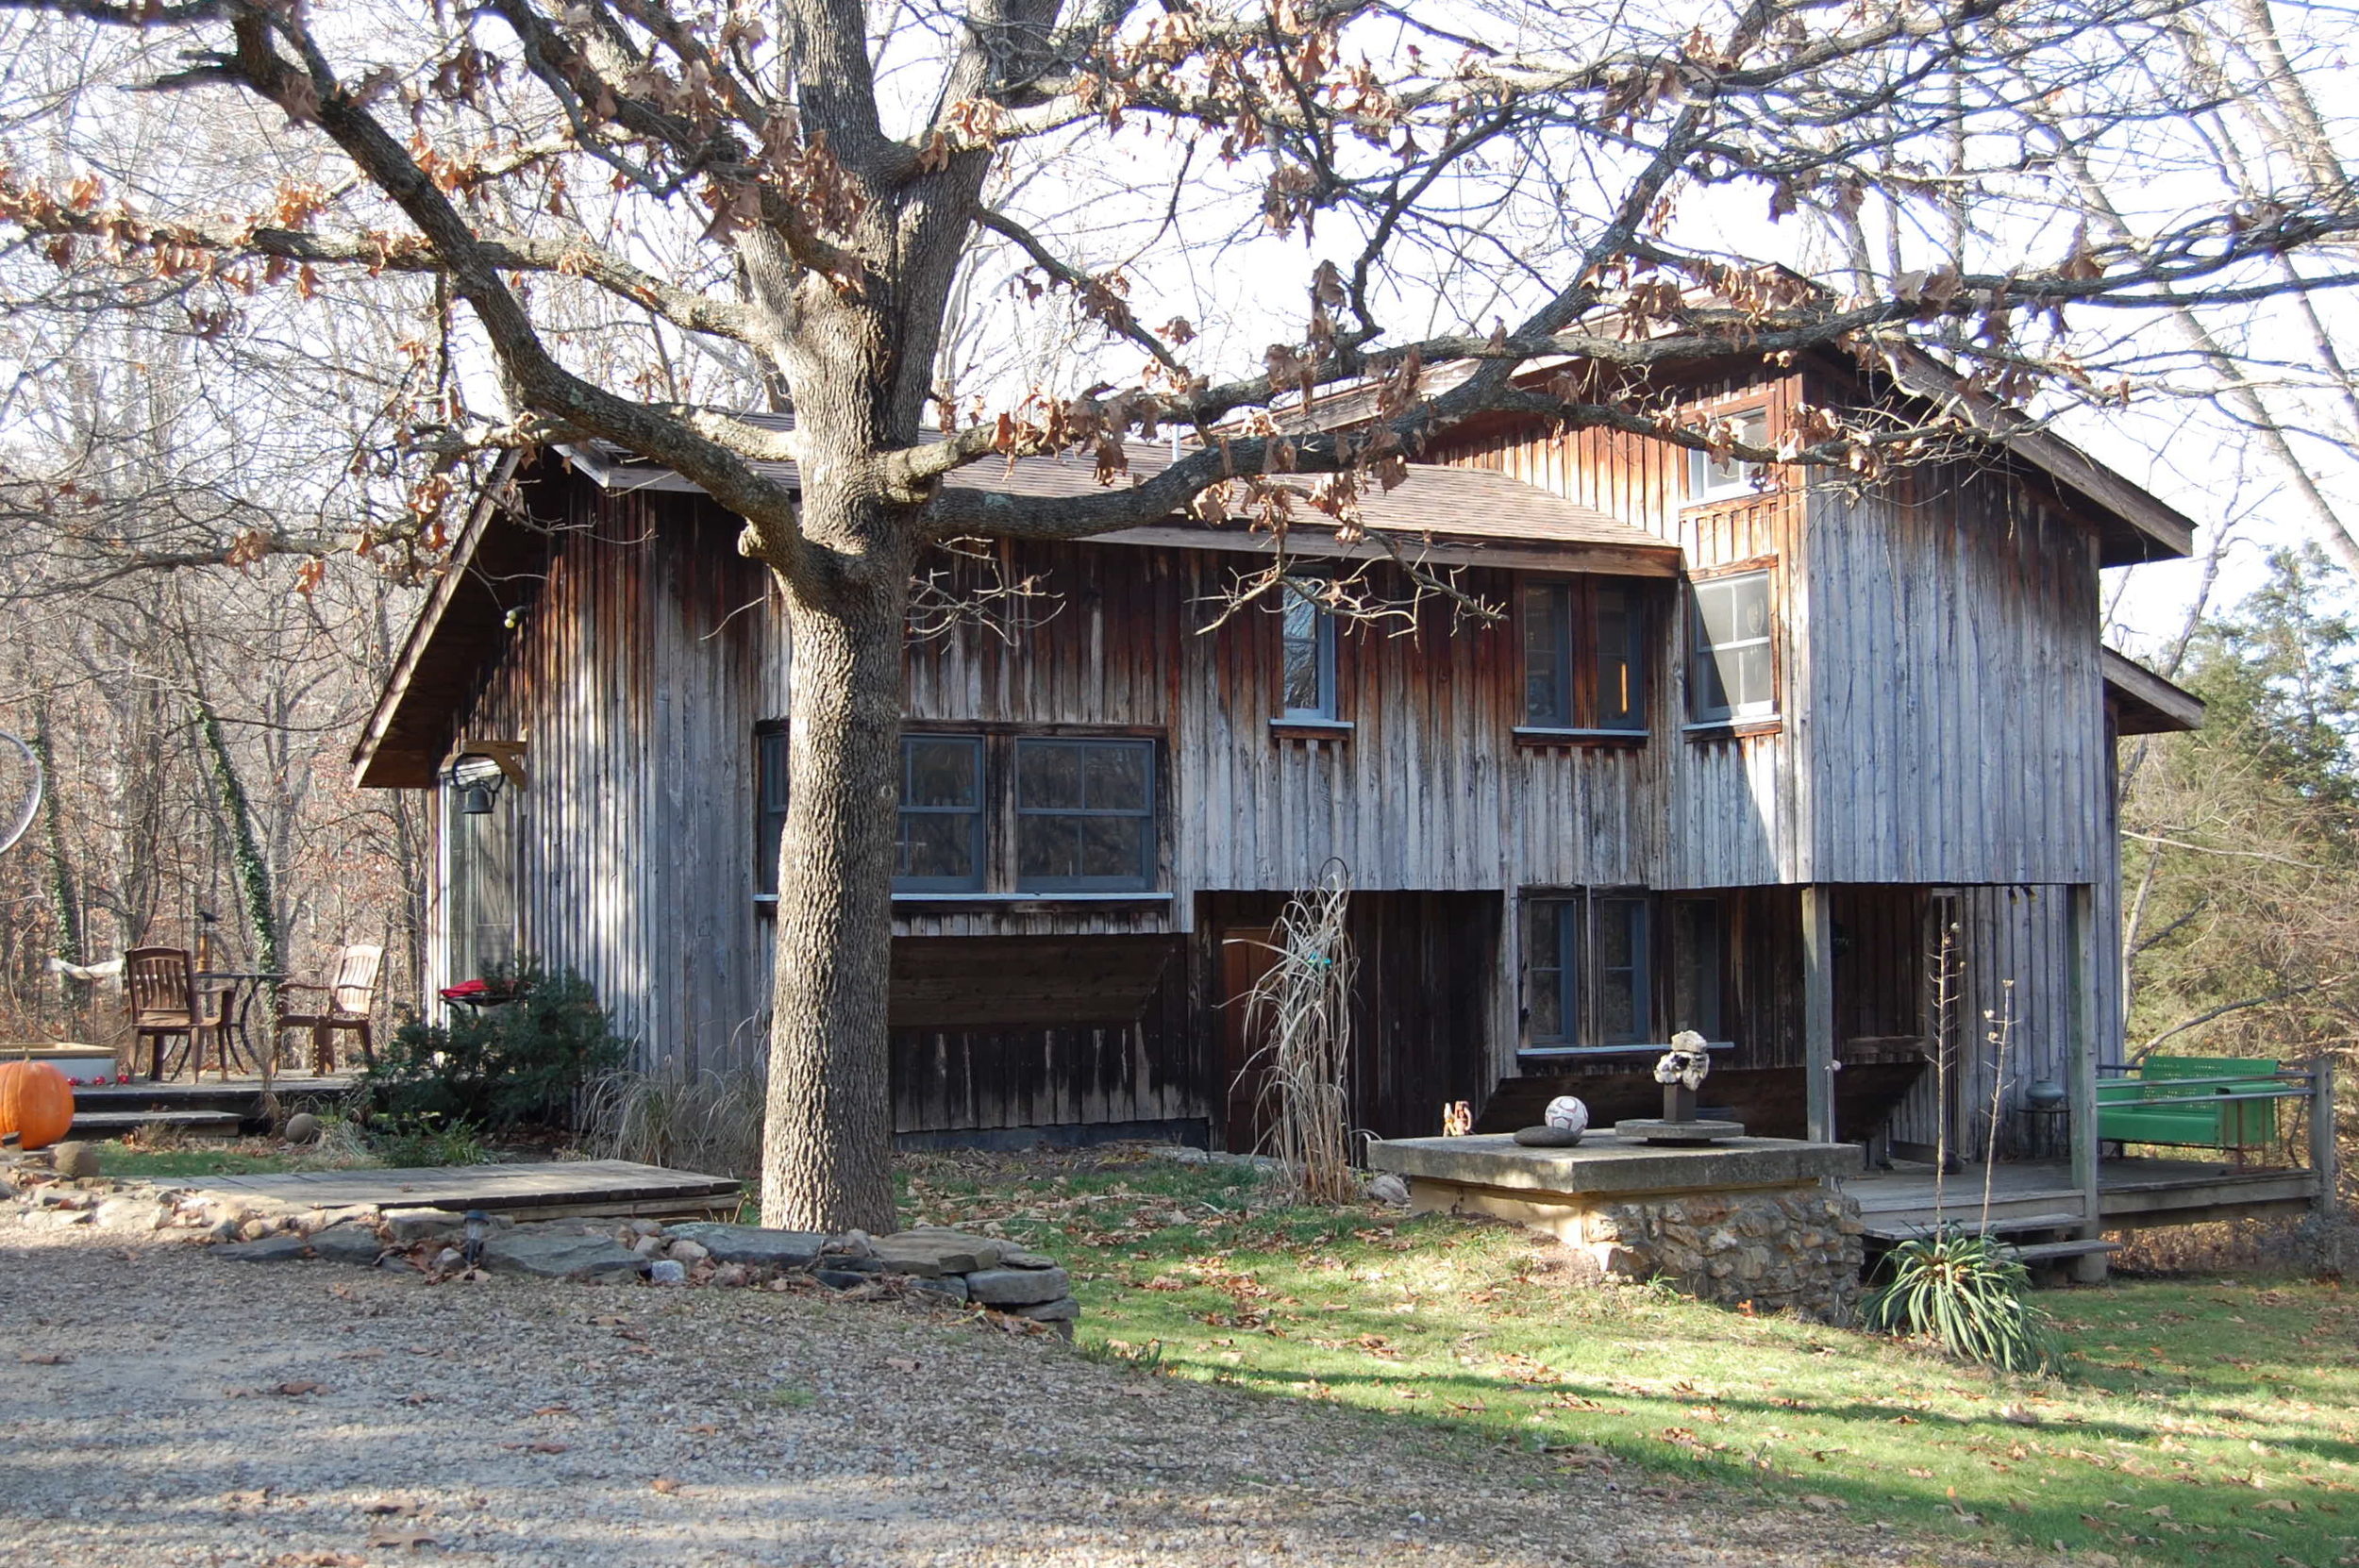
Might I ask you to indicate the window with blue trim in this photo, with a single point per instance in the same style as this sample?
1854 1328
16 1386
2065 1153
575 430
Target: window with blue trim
1084 814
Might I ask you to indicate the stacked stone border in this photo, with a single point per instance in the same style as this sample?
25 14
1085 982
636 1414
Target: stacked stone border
952 1268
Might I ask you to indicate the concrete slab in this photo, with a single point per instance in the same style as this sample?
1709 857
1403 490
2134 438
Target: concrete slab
1602 1166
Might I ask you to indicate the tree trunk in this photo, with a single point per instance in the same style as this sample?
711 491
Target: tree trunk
828 1137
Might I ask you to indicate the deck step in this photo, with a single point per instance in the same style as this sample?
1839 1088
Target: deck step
102 1123
1890 1227
1962 1199
2041 1252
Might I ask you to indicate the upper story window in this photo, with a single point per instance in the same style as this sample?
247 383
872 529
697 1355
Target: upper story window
1722 476
769 806
1307 640
940 847
1084 815
1732 663
1584 656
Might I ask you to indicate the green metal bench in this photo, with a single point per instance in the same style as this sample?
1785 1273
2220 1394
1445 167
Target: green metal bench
2178 1102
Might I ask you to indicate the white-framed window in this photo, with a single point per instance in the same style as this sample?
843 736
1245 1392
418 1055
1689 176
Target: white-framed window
1307 644
1732 655
1722 476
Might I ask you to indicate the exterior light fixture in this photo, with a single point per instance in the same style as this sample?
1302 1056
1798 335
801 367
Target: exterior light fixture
478 1227
477 771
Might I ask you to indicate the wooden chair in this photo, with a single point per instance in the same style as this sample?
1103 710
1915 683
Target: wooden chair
350 995
159 985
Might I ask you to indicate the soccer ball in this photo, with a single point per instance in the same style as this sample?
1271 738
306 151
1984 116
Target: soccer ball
1567 1113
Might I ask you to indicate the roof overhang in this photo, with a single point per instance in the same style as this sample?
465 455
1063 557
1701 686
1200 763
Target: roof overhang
2145 703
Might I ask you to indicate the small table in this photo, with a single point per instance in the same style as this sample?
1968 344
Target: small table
241 985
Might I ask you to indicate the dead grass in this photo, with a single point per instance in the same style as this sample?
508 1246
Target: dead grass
710 1123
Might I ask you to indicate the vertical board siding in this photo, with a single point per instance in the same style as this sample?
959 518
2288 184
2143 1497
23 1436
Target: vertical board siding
1941 724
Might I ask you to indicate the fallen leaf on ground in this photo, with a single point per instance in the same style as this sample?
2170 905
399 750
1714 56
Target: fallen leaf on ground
50 1358
554 1409
391 1507
665 1484
318 1559
373 1353
294 1391
386 1535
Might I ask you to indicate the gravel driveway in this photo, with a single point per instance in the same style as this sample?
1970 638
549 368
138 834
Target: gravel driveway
207 1412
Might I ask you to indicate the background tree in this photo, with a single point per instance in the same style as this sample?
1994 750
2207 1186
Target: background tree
614 204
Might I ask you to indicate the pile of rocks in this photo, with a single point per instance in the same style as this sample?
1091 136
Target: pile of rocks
1796 1249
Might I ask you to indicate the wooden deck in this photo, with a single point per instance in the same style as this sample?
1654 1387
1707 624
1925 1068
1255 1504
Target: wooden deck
543 1191
217 1105
2038 1195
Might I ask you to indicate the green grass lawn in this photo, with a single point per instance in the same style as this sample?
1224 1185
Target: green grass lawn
243 1157
2200 1419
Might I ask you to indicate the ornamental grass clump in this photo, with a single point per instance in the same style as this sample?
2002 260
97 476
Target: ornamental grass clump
1969 1295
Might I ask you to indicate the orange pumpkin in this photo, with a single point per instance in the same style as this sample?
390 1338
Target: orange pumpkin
36 1102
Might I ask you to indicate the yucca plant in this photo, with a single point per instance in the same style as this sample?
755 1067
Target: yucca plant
1967 1293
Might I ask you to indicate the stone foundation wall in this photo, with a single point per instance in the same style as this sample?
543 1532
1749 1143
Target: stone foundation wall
1793 1249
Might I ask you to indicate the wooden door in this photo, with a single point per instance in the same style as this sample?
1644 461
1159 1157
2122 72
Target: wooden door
1246 955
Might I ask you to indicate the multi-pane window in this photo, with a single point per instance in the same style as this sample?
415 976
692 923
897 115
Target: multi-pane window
1307 640
1586 974
1715 477
1584 656
1084 814
941 843
1731 669
769 808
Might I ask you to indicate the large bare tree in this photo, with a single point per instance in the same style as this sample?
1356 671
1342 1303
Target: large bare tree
1537 195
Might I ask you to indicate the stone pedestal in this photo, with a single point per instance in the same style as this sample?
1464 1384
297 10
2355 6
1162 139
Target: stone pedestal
1747 1220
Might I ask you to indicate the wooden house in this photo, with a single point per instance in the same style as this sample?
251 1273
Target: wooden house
1740 745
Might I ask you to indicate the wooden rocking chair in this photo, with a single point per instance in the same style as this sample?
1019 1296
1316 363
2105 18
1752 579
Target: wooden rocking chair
349 997
159 985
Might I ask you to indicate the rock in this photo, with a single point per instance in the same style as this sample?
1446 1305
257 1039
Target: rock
222 1231
853 1243
664 1271
646 1227
555 1255
843 1263
253 1231
1016 1287
931 1254
841 1279
348 1243
646 1247
1016 1258
303 1127
130 1213
269 1249
949 1288
1390 1189
423 1225
729 1275
76 1160
753 1245
1547 1138
1064 1310
685 1251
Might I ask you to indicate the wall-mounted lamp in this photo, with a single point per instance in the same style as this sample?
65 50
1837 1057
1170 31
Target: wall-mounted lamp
478 768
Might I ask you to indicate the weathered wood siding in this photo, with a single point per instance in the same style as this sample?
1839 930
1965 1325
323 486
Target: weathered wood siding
630 676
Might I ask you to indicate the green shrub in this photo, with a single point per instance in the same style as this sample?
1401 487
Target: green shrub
424 1139
1967 1293
494 1068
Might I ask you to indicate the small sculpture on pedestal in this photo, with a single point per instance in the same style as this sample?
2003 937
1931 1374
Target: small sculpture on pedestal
1682 1071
